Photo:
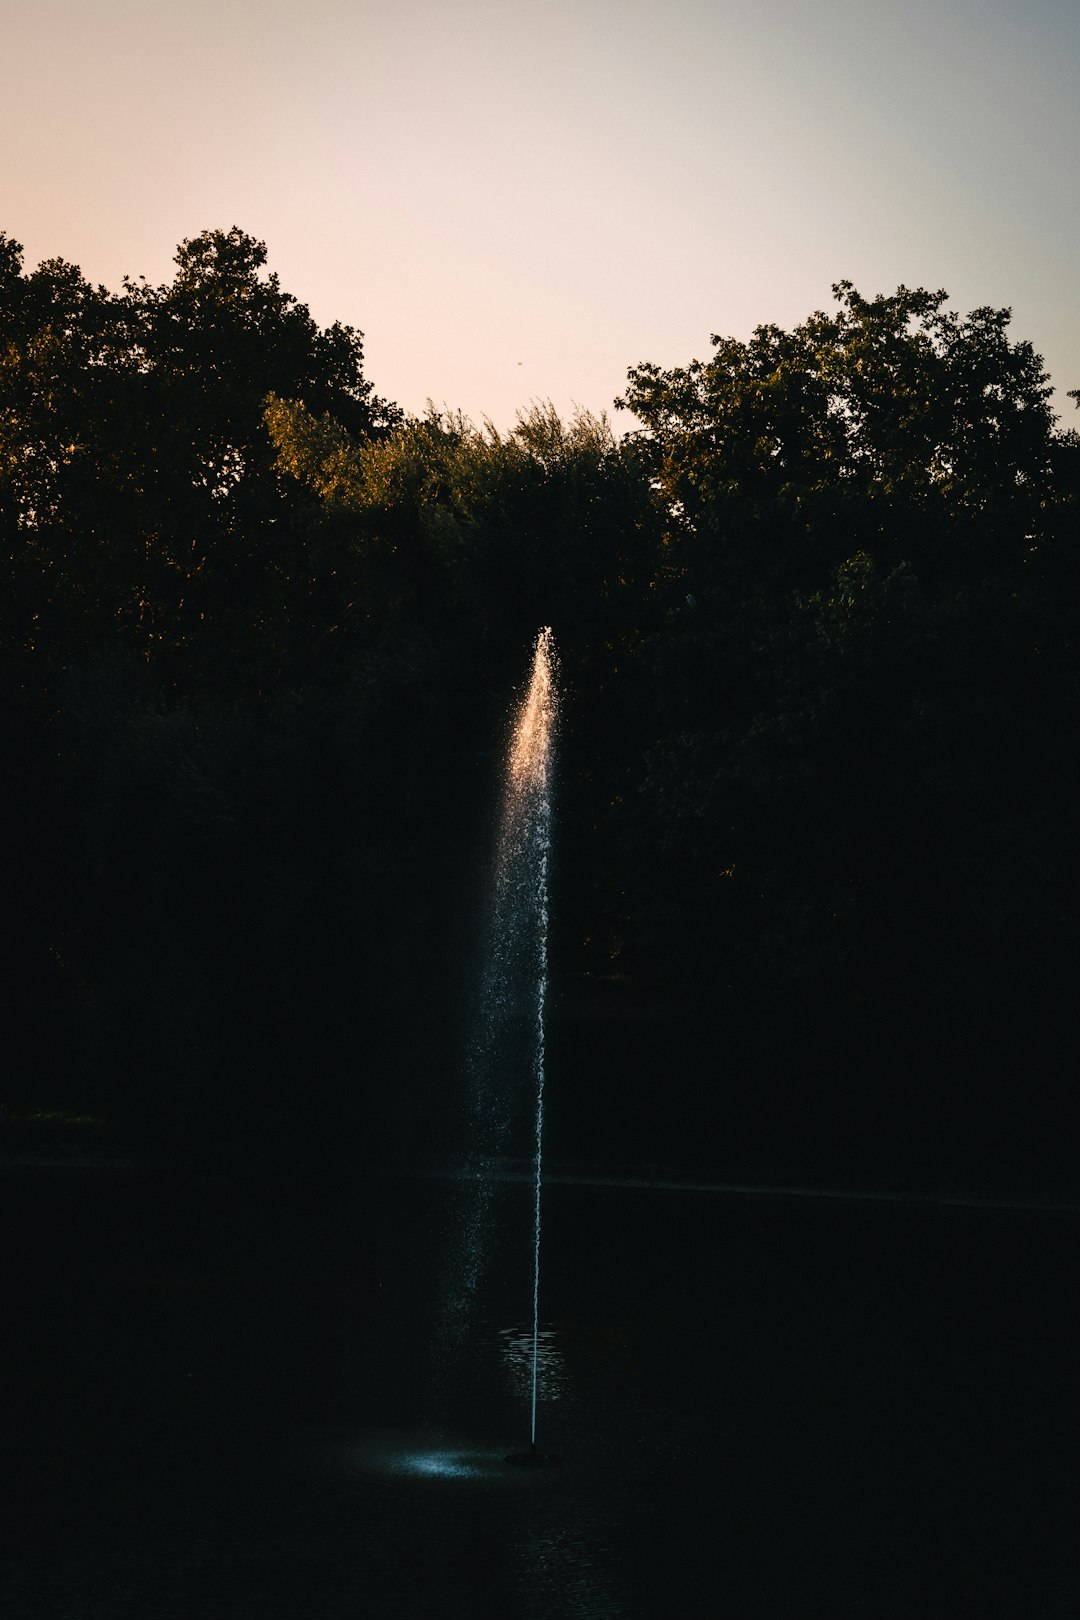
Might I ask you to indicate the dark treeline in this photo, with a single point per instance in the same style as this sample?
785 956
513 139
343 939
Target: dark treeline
816 895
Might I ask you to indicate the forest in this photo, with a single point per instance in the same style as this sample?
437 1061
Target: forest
815 895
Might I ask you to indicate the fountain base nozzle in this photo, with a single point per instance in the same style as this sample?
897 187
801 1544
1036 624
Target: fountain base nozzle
533 1458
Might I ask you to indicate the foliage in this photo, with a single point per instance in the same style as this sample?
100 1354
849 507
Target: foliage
859 782
817 773
136 479
892 424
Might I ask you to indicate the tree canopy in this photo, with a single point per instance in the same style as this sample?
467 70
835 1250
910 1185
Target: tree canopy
817 777
892 425
137 485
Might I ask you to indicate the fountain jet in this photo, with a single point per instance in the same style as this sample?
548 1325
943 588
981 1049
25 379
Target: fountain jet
521 908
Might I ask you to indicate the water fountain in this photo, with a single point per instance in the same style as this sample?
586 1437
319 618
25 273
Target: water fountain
506 1059
521 915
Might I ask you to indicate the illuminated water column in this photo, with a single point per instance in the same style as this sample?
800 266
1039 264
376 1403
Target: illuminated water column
520 936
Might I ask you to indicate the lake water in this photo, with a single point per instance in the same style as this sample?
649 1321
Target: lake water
249 1405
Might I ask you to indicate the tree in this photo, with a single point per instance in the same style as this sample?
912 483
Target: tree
851 829
893 424
137 481
550 522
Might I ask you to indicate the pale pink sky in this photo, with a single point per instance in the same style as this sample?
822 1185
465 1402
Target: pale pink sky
520 200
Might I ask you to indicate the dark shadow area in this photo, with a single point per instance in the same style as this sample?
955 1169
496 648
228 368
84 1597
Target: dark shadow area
852 1409
814 925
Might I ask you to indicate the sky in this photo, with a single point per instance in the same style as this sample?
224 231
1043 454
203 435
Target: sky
519 200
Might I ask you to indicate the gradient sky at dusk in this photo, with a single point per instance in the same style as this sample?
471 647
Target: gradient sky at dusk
518 200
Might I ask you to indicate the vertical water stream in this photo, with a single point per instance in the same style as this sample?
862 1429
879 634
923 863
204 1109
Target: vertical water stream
506 1059
530 764
519 940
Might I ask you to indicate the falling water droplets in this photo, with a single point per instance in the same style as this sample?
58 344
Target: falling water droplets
508 1048
527 839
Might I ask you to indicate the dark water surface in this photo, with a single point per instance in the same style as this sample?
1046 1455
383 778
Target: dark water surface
252 1405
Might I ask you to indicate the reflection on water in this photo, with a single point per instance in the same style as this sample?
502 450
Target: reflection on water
553 1549
763 1413
422 1454
444 1464
561 1576
516 1350
418 1455
565 1568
